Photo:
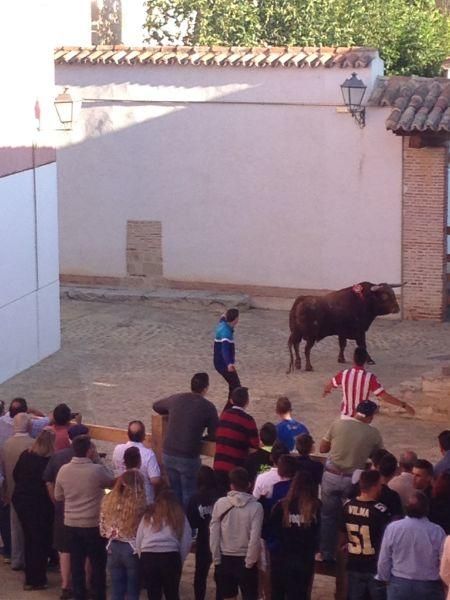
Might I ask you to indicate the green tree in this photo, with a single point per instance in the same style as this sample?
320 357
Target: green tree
412 35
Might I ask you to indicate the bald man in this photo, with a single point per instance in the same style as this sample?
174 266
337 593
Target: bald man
149 465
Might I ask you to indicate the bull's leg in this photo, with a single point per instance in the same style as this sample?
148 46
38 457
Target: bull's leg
298 360
309 345
342 345
361 341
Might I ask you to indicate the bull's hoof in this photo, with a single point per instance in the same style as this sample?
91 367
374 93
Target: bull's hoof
342 360
370 361
309 368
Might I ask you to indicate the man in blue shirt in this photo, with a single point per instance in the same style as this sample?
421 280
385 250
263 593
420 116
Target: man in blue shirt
224 351
410 554
288 428
443 465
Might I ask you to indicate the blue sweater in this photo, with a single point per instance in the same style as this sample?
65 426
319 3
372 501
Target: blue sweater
223 346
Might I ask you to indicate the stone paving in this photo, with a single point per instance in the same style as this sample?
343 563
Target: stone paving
118 357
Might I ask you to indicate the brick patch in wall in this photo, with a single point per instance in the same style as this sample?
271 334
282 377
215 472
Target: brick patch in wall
424 220
144 249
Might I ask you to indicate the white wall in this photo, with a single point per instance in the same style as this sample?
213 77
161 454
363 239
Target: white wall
255 176
29 266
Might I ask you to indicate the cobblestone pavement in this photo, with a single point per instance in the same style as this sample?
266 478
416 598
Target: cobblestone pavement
117 358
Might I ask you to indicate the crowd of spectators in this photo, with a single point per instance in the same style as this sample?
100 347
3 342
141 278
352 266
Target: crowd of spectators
262 515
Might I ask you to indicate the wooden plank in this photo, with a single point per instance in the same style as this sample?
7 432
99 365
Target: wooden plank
111 434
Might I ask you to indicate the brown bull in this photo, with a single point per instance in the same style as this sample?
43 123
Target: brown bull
347 313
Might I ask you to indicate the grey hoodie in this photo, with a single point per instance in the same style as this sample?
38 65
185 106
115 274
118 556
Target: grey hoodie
238 533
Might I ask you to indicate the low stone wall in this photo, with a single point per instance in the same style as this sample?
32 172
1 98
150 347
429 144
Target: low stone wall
430 395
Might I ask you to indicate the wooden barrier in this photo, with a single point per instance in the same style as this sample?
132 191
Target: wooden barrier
156 439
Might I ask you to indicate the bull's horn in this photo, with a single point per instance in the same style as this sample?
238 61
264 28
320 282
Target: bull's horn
375 288
395 285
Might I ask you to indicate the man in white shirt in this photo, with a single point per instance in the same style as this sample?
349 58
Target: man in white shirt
149 465
265 481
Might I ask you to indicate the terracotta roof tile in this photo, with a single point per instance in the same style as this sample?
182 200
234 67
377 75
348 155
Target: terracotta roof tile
419 104
219 56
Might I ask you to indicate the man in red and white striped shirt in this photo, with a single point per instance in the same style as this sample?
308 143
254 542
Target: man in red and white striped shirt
357 384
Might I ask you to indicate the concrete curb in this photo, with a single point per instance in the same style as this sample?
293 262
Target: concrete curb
184 299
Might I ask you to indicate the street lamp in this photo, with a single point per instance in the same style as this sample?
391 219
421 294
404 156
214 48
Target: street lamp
353 90
64 108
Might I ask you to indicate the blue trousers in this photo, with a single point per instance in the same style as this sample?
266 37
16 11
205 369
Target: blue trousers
123 567
335 489
413 589
182 474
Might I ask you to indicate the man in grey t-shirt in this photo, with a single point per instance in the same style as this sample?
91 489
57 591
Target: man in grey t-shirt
189 415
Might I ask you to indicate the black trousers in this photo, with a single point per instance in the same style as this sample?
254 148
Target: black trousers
290 577
37 532
232 378
86 542
161 572
232 576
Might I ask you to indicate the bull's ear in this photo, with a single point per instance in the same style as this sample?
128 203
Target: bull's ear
375 288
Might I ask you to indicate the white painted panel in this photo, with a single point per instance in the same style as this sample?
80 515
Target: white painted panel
18 335
290 196
49 320
17 237
47 225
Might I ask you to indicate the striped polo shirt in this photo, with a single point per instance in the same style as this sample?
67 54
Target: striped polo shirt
235 435
357 384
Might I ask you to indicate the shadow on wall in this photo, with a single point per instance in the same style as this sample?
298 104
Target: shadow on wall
21 158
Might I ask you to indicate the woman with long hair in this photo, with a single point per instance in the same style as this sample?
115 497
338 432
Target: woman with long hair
294 525
34 508
163 541
199 513
120 514
440 502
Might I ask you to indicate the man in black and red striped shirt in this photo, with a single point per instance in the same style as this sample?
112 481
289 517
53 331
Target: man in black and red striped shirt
357 384
236 435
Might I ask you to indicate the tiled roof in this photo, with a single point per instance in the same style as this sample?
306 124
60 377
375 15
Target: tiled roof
420 104
354 58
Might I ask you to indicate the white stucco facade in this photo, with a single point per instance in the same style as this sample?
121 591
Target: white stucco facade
29 265
255 175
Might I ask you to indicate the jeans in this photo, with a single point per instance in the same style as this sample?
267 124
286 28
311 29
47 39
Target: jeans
86 542
5 528
161 573
123 567
335 488
364 585
413 589
182 473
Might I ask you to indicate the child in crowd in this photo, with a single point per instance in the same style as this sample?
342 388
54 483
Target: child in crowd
288 428
258 462
199 512
235 539
163 541
305 445
121 512
294 523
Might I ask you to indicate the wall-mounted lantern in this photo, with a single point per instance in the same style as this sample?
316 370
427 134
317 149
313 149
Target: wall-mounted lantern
64 108
353 90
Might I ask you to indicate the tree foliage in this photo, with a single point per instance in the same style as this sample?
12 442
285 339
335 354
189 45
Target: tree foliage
412 35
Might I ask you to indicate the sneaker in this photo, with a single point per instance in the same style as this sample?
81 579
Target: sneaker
7 560
66 594
28 588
